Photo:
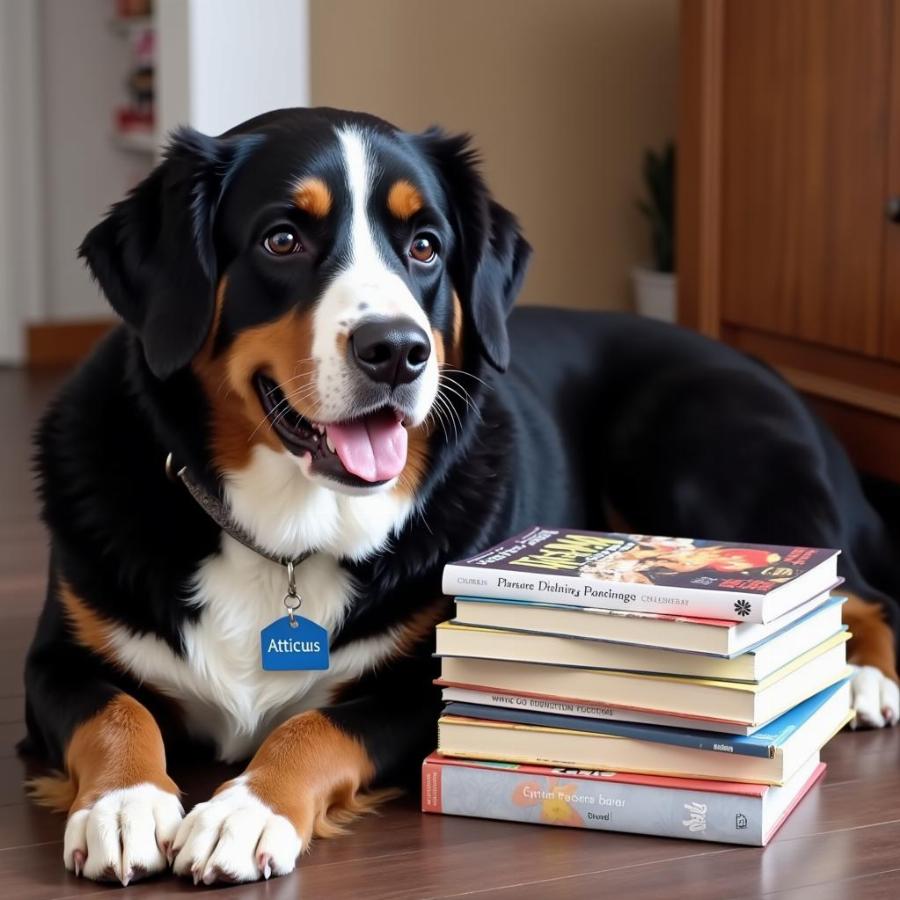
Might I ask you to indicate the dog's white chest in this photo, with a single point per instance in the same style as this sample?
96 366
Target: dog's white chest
219 681
234 700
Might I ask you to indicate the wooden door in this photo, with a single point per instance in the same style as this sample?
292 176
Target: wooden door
804 116
891 303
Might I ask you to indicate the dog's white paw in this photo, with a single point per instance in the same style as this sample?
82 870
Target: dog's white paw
875 697
124 835
235 837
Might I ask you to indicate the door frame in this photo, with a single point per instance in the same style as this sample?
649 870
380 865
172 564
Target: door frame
699 172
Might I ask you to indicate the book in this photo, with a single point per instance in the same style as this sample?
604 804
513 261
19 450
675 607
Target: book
588 710
771 756
718 637
454 639
750 704
731 813
642 573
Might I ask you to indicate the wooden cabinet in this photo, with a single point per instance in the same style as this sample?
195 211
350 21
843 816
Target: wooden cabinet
789 153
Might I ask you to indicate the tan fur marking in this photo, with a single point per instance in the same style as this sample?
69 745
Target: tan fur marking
455 353
217 312
872 643
121 746
283 350
438 340
314 774
313 196
616 521
91 629
421 626
417 451
404 200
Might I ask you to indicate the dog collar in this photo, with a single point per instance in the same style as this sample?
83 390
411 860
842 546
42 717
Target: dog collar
216 509
280 648
219 513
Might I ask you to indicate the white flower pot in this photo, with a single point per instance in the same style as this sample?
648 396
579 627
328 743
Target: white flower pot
655 294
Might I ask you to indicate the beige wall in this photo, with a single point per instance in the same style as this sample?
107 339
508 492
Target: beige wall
561 95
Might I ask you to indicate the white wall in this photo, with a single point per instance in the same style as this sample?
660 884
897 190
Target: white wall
84 65
224 61
219 62
21 272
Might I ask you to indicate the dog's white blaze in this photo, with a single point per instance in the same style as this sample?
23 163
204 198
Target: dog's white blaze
226 695
366 279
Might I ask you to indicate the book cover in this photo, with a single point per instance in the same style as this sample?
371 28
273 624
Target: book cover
750 703
763 743
644 573
607 801
586 709
479 642
716 637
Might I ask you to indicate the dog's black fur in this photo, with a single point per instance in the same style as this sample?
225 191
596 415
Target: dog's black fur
599 415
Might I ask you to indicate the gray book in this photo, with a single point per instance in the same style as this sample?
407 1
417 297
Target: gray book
606 801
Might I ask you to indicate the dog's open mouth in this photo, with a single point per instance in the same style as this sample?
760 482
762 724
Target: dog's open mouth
366 451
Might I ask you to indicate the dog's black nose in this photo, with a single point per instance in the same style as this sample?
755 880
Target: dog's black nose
390 351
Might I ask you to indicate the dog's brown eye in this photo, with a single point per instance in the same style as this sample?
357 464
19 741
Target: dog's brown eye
422 248
282 242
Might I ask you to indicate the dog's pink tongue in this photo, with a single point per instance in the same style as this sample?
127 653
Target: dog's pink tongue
373 448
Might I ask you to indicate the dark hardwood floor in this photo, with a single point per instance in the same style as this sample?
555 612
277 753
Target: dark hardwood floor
842 841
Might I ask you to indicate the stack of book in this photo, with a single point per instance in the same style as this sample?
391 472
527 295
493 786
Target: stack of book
633 683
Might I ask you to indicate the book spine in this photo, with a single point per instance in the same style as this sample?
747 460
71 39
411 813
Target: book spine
500 584
586 711
708 742
577 802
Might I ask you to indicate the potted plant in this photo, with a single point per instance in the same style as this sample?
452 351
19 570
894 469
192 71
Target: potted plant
655 286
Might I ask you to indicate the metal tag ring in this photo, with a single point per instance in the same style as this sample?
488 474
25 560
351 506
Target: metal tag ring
292 601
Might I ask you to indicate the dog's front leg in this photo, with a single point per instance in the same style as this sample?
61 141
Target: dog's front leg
257 824
311 775
124 810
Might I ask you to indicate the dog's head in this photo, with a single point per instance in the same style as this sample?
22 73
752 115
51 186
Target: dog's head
322 274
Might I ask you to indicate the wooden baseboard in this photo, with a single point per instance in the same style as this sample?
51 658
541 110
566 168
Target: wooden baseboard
871 440
53 345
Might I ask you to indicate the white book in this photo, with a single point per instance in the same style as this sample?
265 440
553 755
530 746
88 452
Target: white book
714 636
644 573
750 704
454 639
584 710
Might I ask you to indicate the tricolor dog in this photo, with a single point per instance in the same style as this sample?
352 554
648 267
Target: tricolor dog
317 397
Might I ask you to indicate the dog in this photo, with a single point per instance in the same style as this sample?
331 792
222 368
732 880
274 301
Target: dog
319 395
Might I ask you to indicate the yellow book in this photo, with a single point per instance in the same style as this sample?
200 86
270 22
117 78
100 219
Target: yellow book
731 701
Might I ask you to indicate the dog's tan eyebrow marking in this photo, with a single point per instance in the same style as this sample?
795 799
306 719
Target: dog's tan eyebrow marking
313 196
404 199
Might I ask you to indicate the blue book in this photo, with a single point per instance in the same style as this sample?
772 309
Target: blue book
771 755
764 742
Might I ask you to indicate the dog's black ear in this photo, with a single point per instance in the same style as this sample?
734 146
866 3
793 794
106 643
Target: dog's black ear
153 255
491 256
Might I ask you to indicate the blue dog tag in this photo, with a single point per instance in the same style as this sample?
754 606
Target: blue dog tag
298 647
